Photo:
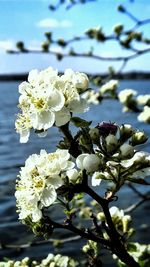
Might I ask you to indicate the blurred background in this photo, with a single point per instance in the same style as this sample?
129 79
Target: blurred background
28 21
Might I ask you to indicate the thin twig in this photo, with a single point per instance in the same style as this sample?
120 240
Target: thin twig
41 242
136 205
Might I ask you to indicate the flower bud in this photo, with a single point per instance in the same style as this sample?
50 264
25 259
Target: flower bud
111 142
101 216
115 212
91 163
106 128
85 248
81 81
126 151
118 29
126 131
94 134
125 222
139 138
88 162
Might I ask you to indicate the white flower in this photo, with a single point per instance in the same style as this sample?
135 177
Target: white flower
48 99
126 94
110 86
72 175
23 126
115 212
145 115
89 162
141 165
143 99
79 79
139 157
91 97
61 261
96 179
38 181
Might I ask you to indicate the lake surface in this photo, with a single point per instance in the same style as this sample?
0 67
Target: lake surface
13 155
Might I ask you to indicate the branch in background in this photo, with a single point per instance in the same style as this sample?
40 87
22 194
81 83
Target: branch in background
144 198
136 205
131 186
123 37
41 242
69 5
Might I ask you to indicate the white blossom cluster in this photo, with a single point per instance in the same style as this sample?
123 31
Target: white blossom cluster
145 114
115 212
109 87
47 99
50 261
120 219
93 97
128 97
144 100
124 161
38 181
126 94
140 253
43 174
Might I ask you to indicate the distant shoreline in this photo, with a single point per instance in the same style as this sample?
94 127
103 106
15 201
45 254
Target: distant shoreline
124 76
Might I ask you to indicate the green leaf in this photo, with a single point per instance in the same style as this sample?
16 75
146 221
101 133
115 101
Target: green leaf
131 247
78 122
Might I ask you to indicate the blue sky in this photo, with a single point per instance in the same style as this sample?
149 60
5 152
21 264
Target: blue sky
28 20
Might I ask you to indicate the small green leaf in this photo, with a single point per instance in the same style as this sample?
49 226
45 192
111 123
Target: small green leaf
132 247
78 122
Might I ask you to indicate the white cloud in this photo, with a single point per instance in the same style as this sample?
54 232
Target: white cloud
54 23
6 45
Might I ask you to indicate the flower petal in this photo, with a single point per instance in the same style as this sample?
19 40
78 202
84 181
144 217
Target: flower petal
62 117
49 196
56 100
42 120
96 180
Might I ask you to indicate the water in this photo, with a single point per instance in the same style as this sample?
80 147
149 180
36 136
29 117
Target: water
13 155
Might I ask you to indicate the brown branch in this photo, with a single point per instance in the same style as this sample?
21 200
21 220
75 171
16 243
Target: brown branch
117 246
86 55
84 233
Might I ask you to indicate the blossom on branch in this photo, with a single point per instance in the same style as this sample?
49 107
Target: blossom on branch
48 99
38 181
